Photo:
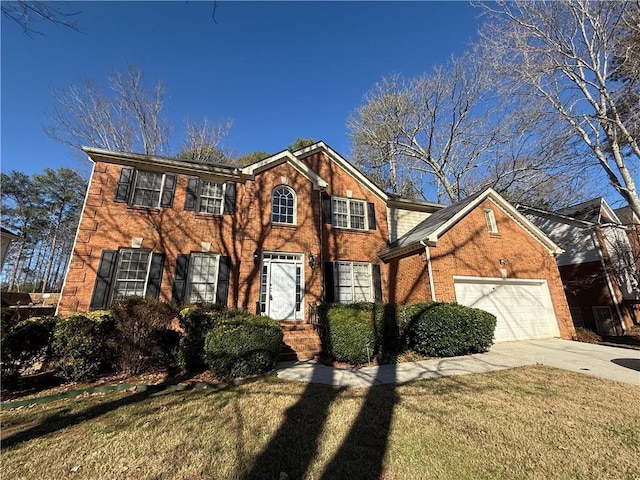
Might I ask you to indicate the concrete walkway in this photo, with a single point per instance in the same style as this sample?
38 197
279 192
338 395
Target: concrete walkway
613 363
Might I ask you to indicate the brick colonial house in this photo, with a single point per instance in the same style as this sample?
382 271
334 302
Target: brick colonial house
299 228
600 263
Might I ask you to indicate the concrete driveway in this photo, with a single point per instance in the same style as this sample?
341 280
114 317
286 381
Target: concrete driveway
613 363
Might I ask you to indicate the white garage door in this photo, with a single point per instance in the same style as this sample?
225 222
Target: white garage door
523 308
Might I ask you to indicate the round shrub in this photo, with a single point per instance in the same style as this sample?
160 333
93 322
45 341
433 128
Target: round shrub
196 321
84 345
350 333
243 345
138 321
25 345
449 329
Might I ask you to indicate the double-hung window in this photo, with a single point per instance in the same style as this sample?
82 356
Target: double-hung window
203 277
211 197
353 282
131 273
348 213
204 196
124 273
144 188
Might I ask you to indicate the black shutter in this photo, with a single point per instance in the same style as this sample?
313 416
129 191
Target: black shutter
326 209
222 291
191 199
180 280
377 283
230 198
168 189
329 287
155 275
371 209
123 189
102 287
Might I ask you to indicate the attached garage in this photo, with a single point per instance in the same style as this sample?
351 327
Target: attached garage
523 307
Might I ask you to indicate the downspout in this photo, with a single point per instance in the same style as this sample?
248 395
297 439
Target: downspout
429 272
596 242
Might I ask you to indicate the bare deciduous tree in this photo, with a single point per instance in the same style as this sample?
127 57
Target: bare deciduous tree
563 53
204 142
450 129
28 13
125 117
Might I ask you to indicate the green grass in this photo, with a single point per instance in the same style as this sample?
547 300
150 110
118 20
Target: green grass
530 422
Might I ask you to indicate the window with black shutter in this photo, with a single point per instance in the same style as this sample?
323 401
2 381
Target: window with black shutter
210 197
145 189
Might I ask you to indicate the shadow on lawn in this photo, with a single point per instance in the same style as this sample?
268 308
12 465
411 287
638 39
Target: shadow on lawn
60 420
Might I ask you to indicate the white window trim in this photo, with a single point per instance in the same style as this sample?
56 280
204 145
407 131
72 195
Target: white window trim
114 288
199 199
295 205
349 201
490 218
190 273
336 286
135 186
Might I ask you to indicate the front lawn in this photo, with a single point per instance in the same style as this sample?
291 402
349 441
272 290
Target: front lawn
530 422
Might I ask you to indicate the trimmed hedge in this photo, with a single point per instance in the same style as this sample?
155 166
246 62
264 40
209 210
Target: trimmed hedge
196 321
243 344
351 331
84 345
448 329
25 345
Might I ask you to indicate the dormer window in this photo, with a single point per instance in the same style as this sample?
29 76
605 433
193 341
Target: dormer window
490 218
283 205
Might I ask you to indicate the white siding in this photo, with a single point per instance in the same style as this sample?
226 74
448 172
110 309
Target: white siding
576 241
622 261
401 221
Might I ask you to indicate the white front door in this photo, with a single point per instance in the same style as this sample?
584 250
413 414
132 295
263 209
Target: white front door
281 287
282 295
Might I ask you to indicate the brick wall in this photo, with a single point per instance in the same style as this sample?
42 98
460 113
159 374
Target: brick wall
107 225
468 249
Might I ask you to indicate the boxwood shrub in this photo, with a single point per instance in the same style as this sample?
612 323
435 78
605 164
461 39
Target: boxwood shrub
351 332
25 345
196 321
243 344
84 345
448 329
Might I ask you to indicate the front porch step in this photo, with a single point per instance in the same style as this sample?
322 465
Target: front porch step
300 342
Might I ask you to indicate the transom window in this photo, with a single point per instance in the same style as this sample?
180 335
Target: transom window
348 213
283 202
131 273
353 282
211 197
203 277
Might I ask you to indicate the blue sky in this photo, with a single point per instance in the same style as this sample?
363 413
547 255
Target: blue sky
279 70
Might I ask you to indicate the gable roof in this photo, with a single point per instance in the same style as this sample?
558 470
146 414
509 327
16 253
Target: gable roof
429 230
591 211
342 162
285 157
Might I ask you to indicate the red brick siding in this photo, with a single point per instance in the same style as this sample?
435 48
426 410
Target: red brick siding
468 249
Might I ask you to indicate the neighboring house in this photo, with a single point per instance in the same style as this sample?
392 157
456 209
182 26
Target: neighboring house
6 238
296 229
599 266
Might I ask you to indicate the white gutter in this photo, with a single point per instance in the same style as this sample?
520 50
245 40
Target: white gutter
429 272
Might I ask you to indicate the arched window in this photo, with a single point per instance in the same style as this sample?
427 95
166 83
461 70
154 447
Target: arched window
283 206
